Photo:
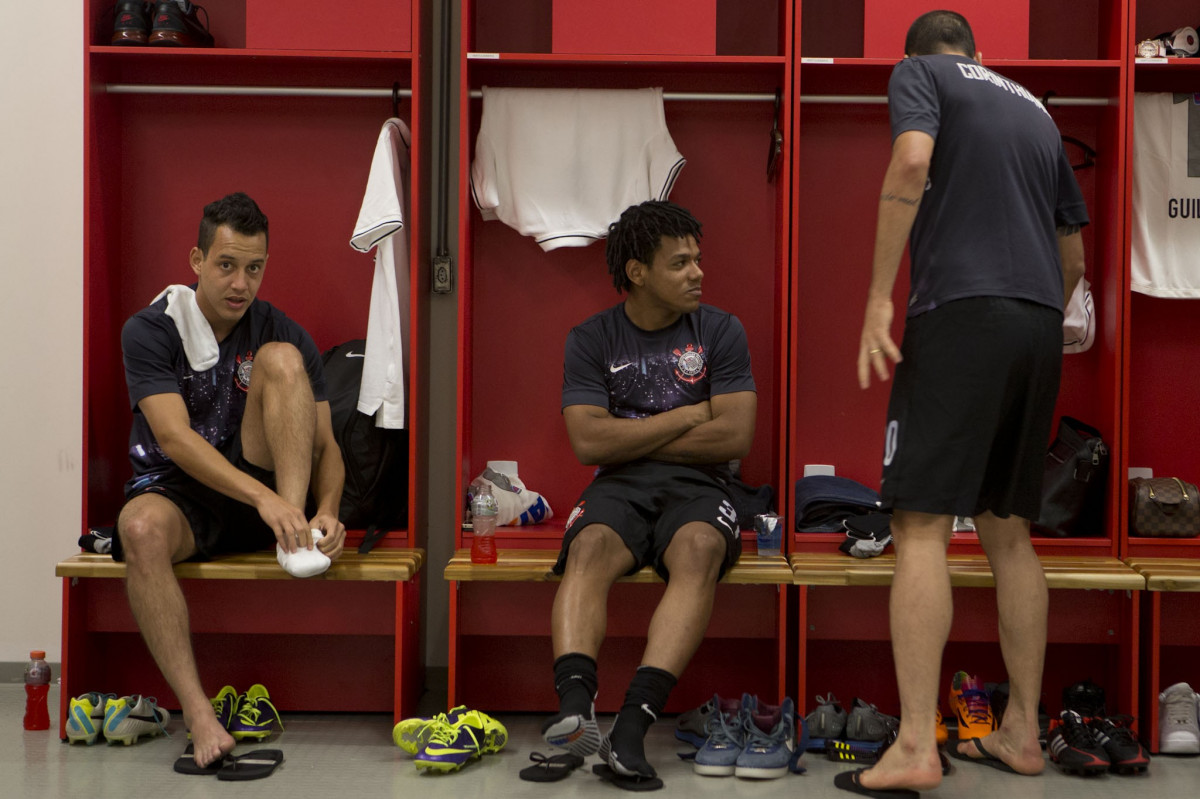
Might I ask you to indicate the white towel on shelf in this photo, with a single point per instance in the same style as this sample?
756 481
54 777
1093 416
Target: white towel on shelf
199 341
381 226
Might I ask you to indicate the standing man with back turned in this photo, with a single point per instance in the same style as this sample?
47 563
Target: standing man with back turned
979 179
221 462
657 391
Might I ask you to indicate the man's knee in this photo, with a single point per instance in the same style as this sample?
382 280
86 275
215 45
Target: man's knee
697 548
597 547
279 361
152 531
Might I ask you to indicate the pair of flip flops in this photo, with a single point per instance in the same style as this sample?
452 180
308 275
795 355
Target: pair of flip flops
849 781
605 772
550 769
251 766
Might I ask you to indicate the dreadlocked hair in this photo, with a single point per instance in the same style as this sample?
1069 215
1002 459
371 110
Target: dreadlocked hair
638 233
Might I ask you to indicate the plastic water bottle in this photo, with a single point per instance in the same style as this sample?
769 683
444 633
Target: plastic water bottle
37 686
483 525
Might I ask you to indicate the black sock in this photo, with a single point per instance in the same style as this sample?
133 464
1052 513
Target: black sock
644 701
576 682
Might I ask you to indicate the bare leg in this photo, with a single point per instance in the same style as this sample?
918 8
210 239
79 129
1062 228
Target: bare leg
155 534
597 557
1022 602
694 559
280 420
920 610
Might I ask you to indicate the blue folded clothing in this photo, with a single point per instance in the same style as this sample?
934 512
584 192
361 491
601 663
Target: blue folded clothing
824 501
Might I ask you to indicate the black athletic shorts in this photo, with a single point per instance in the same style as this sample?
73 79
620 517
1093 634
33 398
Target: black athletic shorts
220 524
971 408
646 502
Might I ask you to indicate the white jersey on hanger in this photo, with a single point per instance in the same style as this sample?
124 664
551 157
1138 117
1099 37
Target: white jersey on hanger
562 164
1166 195
381 225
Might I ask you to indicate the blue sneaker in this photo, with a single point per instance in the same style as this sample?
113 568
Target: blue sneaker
770 741
726 737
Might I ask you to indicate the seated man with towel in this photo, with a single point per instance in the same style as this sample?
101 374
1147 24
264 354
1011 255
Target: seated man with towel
221 463
657 391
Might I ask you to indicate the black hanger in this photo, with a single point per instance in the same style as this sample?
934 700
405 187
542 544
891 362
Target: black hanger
775 153
1089 155
396 99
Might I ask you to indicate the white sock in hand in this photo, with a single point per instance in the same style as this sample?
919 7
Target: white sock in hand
303 562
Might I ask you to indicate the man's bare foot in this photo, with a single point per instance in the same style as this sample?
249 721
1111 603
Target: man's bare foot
210 741
903 768
1024 759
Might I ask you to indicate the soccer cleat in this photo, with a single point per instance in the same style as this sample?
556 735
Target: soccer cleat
1085 698
578 734
452 746
770 741
1073 747
255 717
942 734
173 26
1178 726
85 717
131 23
853 751
411 735
692 727
971 707
826 721
726 738
128 718
224 705
866 723
1125 752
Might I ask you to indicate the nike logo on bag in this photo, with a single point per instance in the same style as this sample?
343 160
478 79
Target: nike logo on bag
355 355
615 369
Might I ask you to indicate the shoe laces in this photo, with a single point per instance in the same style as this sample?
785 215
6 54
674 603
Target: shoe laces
1180 710
979 706
829 700
725 730
251 711
1076 733
755 737
1118 729
152 705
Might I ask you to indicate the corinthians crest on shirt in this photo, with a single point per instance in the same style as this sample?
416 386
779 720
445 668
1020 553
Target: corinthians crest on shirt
241 371
690 365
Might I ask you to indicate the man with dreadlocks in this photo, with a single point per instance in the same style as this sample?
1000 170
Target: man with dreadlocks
657 392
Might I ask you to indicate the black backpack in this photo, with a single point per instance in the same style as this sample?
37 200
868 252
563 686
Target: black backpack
375 496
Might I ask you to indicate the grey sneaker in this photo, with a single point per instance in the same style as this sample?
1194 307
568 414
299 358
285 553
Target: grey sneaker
578 734
726 737
692 727
866 723
827 720
1178 727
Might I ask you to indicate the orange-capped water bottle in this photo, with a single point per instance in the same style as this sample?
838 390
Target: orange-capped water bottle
37 686
483 525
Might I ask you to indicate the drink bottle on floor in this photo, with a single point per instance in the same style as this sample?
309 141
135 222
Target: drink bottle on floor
37 686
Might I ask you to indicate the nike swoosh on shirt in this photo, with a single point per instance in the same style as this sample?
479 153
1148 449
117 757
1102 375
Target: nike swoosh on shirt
615 369
356 355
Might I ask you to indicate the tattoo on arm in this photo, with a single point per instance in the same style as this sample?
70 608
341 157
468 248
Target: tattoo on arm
1068 230
889 197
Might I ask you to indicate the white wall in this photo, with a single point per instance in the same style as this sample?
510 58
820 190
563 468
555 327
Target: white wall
41 331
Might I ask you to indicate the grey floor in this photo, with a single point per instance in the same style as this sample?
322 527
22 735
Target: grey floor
353 756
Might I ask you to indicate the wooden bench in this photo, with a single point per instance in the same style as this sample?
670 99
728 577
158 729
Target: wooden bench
500 646
843 616
346 640
966 571
1169 633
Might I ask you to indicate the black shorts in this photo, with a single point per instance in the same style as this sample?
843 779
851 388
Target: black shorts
646 502
971 409
220 524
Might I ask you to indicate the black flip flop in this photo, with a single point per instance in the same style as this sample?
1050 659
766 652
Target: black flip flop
603 771
251 766
848 781
550 769
988 758
186 763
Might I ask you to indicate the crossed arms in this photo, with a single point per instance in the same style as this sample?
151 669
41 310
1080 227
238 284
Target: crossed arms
714 431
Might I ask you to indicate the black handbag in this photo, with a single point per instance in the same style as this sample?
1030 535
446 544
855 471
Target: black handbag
1074 483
